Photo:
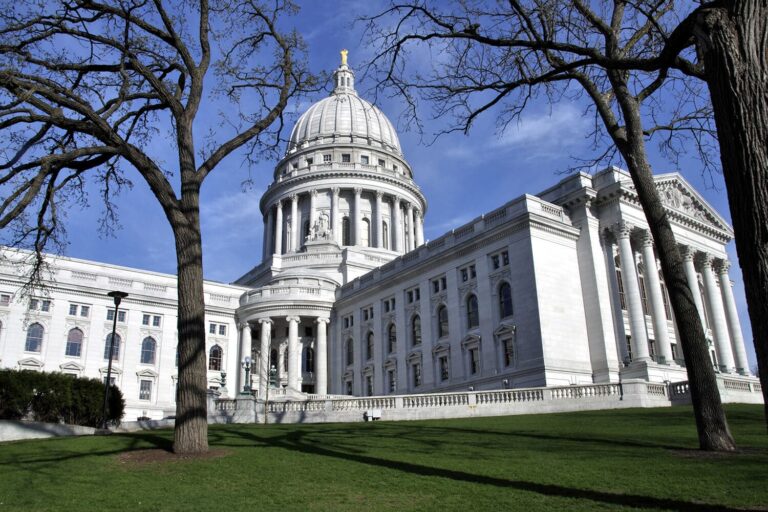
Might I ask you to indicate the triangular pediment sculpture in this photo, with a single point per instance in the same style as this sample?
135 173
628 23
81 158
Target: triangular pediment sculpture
684 202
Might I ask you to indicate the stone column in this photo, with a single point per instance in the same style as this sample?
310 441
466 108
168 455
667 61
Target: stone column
732 316
409 228
295 234
269 235
245 349
312 208
632 294
419 229
717 315
688 254
335 225
397 227
279 228
378 220
294 354
653 288
266 332
358 217
321 357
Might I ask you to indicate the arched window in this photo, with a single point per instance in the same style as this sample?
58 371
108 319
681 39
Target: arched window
416 330
350 352
148 347
346 238
309 359
505 300
74 343
365 235
369 346
473 316
215 355
115 350
391 338
34 338
442 321
385 234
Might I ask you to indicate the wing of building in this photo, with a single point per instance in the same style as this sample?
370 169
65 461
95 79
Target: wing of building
558 288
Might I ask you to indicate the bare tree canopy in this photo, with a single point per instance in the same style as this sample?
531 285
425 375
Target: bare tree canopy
630 62
87 88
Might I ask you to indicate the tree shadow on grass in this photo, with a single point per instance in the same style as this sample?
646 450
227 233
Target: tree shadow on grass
294 441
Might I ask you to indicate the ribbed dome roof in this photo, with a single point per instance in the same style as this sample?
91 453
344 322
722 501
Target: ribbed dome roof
344 115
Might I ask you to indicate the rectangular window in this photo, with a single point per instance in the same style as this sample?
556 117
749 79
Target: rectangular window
620 285
222 330
382 163
629 347
85 311
310 161
346 158
34 304
327 159
145 319
156 321
444 373
474 361
504 258
45 306
5 299
436 286
73 310
145 390
409 295
120 315
416 369
212 329
391 381
369 385
673 346
643 296
349 387
394 168
364 159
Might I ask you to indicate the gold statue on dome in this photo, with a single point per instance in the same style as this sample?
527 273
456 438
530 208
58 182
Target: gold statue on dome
344 57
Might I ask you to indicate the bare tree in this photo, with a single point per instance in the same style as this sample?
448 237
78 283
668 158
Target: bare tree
85 87
497 56
731 39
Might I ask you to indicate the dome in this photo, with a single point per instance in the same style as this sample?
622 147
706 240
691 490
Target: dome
344 117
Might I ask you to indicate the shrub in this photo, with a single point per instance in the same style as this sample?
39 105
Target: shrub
57 397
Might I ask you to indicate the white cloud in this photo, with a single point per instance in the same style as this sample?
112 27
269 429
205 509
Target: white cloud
565 125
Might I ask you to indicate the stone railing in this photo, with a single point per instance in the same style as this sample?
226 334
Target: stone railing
286 290
295 408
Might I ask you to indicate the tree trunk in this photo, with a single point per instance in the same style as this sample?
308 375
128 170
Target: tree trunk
191 431
711 423
734 42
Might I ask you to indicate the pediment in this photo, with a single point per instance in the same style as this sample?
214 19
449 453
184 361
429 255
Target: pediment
505 330
71 366
685 203
30 363
145 373
470 339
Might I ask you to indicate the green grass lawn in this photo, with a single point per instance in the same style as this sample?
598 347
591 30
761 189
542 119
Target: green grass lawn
606 460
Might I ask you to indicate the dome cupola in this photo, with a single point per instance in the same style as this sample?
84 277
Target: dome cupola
344 117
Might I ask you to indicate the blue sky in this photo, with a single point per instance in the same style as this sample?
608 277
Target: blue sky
461 176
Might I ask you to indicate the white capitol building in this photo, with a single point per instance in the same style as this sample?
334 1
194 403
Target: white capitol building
554 289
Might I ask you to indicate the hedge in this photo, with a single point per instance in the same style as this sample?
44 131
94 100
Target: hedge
56 398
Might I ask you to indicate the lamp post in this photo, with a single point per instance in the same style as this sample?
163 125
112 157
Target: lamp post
247 367
117 297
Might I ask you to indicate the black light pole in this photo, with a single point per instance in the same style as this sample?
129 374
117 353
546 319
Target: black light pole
118 297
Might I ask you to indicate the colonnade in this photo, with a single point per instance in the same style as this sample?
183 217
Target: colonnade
405 232
720 306
261 371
